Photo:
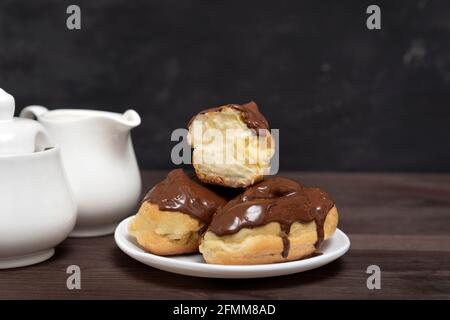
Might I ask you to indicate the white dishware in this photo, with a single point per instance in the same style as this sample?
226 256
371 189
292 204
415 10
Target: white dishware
18 136
37 208
100 162
194 265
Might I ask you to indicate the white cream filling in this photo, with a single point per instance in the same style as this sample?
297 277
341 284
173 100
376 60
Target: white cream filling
224 146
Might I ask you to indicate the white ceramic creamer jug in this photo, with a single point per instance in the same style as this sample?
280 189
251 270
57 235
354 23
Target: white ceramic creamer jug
100 162
37 208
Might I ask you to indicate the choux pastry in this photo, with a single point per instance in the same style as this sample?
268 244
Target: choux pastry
173 214
232 145
273 221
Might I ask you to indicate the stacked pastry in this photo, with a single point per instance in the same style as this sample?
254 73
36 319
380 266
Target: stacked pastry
270 220
173 215
232 145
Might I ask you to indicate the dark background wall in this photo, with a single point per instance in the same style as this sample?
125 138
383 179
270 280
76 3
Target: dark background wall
343 97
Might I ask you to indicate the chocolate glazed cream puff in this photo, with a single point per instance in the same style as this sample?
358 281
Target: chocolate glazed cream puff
241 155
173 214
276 220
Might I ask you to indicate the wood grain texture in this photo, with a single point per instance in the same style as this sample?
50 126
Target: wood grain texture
400 222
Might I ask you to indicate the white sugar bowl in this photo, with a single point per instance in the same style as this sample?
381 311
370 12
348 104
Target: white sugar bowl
37 208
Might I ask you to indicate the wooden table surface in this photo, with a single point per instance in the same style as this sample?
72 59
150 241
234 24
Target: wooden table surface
400 222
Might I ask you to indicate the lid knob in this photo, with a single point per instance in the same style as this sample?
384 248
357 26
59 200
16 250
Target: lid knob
19 136
7 106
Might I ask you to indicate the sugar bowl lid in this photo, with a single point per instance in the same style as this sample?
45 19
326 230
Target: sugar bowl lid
17 135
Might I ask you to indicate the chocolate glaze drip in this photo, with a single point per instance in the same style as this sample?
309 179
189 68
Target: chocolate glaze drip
274 200
286 245
179 192
250 115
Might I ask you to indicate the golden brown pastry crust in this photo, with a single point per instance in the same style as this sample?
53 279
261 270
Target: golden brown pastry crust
165 232
244 168
263 244
218 180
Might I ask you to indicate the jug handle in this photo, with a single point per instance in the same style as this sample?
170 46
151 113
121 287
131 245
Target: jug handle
33 112
43 140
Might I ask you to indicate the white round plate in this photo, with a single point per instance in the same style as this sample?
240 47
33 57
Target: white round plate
194 265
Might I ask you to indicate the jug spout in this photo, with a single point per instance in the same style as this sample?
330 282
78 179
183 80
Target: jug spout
130 119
